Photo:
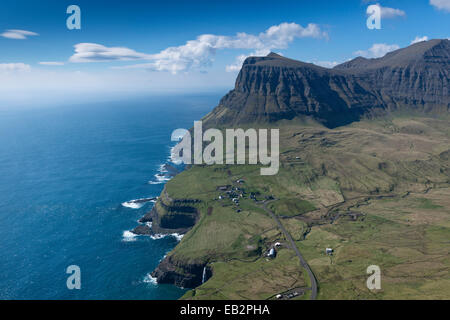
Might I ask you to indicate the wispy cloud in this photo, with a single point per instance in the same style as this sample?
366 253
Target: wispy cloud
377 50
51 63
441 4
92 52
389 13
14 67
419 39
18 34
200 52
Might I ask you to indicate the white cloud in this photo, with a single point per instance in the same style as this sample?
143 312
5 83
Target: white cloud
201 51
377 50
389 13
51 63
326 64
237 65
18 34
441 4
419 39
92 52
14 67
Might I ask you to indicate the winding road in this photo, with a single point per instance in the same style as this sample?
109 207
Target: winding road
303 262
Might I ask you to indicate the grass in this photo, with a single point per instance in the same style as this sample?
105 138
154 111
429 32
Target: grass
259 279
427 204
291 207
413 257
349 169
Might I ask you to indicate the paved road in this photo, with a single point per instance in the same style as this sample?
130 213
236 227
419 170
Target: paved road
303 262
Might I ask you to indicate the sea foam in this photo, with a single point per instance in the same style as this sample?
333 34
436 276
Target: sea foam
149 279
137 203
128 236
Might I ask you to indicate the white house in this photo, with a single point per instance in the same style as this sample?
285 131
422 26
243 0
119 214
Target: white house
271 253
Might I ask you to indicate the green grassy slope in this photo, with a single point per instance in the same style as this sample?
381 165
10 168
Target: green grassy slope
376 191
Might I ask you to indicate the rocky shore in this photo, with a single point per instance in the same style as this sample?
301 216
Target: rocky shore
173 216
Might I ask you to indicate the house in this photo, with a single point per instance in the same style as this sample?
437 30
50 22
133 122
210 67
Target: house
277 244
272 253
329 251
279 296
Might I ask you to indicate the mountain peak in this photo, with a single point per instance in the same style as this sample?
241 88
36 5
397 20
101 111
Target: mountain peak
275 60
274 55
274 87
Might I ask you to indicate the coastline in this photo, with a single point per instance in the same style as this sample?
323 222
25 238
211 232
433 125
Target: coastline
168 217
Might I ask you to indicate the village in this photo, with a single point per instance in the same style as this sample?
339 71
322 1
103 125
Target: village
236 193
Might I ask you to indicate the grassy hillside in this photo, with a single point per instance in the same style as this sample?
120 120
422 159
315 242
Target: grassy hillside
376 191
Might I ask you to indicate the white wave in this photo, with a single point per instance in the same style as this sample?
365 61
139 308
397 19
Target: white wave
133 205
175 158
160 178
155 182
177 236
164 257
137 203
162 168
128 236
158 236
149 279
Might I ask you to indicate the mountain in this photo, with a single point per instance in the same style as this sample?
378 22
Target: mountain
272 88
373 191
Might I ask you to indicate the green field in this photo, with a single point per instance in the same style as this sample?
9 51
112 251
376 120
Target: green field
377 192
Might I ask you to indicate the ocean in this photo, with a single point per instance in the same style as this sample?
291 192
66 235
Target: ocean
66 174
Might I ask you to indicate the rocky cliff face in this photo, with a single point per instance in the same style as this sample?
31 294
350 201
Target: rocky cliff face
169 216
179 273
272 88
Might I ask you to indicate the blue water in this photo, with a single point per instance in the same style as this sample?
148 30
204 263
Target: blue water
64 172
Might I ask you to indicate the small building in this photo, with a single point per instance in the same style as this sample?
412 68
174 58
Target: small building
220 197
329 251
272 253
277 244
279 296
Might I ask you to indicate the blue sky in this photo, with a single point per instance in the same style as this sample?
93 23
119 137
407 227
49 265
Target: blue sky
128 47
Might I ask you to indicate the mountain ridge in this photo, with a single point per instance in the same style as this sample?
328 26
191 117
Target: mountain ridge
274 87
